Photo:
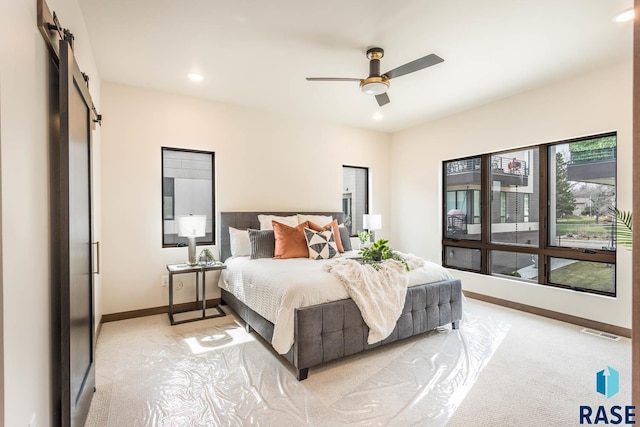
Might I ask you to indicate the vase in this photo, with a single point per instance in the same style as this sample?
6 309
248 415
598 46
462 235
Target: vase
203 260
363 245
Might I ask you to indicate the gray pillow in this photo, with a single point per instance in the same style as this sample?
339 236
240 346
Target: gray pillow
345 239
262 243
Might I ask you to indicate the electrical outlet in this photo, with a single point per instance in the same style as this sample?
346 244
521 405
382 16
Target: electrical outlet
165 280
32 422
179 285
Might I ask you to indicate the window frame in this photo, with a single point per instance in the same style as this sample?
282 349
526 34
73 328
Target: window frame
544 251
469 164
213 196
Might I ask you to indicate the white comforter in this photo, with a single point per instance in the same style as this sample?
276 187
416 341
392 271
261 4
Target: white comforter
274 288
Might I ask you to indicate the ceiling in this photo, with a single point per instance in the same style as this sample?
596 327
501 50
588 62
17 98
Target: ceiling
257 53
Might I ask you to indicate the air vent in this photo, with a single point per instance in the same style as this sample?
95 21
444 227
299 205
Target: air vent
600 334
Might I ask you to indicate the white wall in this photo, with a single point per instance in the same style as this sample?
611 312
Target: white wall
264 161
25 203
593 103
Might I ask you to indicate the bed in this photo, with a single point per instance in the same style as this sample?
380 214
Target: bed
332 330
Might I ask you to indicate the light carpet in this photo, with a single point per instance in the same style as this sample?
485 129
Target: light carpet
541 373
538 372
213 373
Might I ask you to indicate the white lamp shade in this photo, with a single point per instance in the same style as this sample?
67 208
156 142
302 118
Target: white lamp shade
372 221
192 226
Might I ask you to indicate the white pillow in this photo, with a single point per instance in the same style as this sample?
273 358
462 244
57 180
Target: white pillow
265 221
320 220
239 242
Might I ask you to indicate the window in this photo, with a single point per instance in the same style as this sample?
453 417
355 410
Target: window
355 197
582 191
514 181
513 264
583 274
187 189
462 214
462 258
566 241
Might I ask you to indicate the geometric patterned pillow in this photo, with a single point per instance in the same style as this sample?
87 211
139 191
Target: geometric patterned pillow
322 244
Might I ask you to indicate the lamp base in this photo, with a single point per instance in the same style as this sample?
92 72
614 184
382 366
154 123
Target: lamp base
192 251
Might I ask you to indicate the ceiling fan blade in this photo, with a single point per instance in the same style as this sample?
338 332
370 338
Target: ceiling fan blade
412 66
383 99
332 79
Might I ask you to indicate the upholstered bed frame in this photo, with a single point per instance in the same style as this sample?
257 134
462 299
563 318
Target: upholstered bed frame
334 330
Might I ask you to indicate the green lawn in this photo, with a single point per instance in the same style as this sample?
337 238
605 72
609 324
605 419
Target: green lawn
583 227
585 274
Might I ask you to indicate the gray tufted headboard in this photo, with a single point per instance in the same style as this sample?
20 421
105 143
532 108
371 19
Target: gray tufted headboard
244 220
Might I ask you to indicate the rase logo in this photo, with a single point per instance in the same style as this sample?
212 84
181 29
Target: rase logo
608 384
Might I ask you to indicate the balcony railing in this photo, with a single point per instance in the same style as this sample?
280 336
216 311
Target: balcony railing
463 166
510 166
596 155
507 165
507 171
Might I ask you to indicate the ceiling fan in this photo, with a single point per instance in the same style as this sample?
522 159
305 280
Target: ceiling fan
377 84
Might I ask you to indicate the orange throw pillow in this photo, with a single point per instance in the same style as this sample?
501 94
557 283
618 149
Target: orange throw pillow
290 241
333 226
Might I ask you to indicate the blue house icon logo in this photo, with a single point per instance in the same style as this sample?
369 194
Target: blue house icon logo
608 382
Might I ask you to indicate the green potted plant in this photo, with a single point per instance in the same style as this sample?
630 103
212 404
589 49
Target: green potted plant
363 237
206 257
380 251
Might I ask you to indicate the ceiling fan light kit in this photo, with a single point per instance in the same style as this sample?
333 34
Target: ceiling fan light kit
374 85
377 84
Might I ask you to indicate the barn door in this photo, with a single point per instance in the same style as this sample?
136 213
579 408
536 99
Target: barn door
72 160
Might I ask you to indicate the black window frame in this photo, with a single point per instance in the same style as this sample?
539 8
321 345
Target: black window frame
544 250
366 192
199 241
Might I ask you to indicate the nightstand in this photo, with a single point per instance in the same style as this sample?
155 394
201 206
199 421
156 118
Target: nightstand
197 270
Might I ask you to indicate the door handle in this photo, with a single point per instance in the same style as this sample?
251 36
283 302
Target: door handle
97 257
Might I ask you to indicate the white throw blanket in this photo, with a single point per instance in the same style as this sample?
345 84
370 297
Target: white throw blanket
413 261
379 294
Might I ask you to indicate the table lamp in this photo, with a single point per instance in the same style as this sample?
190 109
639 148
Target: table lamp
371 222
192 226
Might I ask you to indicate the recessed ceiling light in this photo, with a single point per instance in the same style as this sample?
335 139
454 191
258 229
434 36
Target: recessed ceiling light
195 77
625 16
377 116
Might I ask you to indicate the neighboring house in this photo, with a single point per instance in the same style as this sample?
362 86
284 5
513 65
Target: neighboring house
582 206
